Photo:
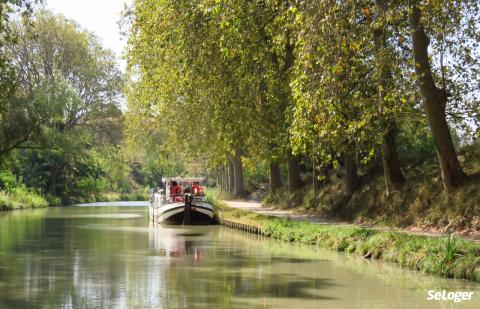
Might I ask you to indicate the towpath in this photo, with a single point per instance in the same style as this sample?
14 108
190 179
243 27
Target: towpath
256 206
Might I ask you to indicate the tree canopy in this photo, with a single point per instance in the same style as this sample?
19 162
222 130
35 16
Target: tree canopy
332 82
304 89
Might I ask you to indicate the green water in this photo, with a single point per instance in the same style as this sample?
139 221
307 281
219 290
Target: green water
110 257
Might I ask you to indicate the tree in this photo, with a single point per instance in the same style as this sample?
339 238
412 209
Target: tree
334 115
330 82
261 37
16 119
70 87
50 47
391 163
435 102
206 111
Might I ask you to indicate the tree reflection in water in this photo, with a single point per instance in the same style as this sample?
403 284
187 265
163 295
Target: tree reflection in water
68 258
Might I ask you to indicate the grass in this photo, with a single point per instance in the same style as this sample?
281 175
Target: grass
443 256
20 198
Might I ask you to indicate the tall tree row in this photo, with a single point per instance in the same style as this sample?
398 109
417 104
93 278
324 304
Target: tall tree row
291 83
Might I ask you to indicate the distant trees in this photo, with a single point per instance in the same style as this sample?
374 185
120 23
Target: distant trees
292 82
51 50
64 105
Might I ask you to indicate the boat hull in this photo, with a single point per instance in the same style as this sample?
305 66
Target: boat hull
200 213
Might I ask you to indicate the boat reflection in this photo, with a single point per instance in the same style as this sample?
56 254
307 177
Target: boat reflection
179 242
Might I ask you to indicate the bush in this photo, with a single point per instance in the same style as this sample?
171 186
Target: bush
141 195
53 200
138 195
21 197
7 180
5 201
27 198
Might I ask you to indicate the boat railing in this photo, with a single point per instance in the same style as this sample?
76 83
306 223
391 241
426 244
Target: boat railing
158 199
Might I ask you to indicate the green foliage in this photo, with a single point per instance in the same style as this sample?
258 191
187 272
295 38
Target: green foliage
21 197
141 194
264 78
254 173
66 104
203 88
19 123
416 141
210 80
53 200
7 180
8 9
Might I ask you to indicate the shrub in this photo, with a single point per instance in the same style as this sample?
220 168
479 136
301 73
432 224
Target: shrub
21 197
7 180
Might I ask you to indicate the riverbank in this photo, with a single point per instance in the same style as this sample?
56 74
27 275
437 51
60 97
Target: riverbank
444 256
21 198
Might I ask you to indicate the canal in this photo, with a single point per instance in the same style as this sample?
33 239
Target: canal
111 257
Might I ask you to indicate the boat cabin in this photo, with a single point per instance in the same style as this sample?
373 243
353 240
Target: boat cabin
177 187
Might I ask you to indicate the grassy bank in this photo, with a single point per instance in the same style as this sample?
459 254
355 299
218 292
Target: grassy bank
23 198
20 198
443 256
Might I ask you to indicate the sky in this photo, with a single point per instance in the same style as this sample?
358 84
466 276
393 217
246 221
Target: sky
98 16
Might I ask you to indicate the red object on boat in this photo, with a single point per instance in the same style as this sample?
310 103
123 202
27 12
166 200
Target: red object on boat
197 189
177 194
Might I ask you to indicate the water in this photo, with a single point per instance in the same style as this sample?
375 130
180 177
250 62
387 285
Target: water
110 257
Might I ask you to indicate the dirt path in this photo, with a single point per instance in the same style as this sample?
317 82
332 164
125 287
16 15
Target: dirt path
256 206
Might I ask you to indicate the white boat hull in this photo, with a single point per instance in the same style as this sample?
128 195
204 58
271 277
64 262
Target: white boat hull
172 213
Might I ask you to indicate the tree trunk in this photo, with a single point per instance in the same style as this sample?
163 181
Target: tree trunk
220 178
351 177
275 176
224 178
391 164
231 177
239 188
434 102
294 181
316 182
